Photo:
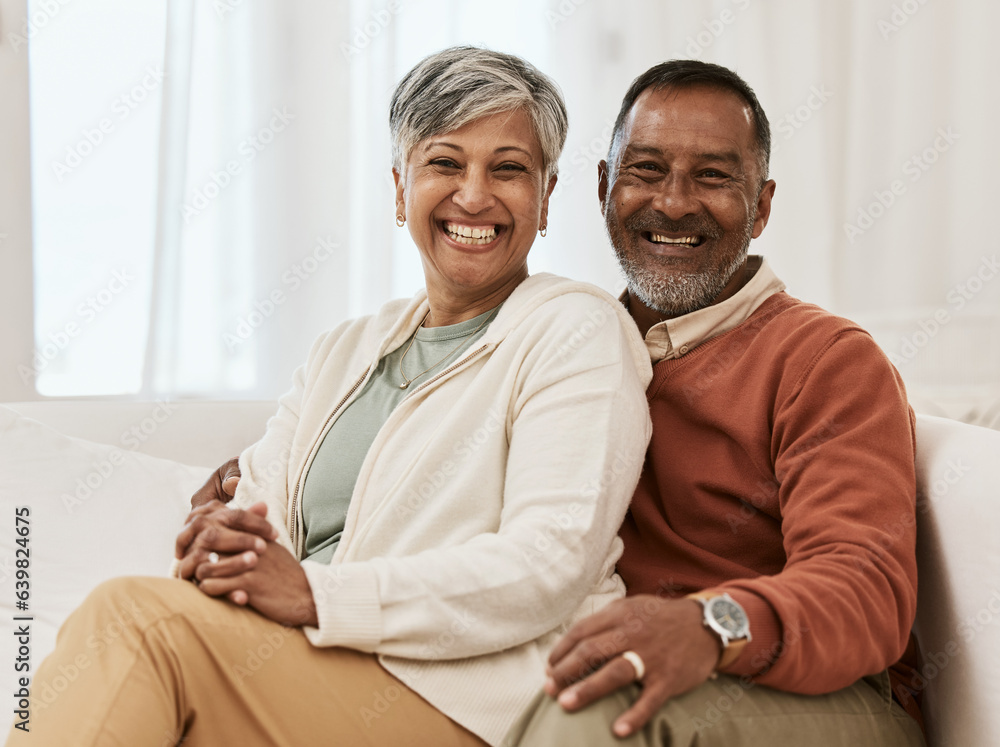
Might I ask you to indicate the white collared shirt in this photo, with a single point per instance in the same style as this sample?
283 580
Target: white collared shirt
673 338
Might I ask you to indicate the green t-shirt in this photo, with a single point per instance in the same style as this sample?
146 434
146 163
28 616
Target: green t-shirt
326 493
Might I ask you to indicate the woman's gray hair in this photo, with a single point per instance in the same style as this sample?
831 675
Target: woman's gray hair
455 86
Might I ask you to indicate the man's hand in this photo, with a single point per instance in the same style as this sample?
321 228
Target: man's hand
215 528
220 486
275 585
668 634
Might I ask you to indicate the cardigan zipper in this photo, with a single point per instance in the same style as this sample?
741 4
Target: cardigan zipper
361 530
293 508
451 368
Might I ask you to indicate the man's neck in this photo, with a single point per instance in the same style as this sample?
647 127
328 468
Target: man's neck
645 317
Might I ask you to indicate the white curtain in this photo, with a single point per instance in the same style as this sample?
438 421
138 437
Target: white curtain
881 111
251 255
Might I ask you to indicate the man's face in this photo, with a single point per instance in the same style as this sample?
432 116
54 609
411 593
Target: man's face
685 198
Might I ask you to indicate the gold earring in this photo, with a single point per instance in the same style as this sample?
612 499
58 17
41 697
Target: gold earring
400 220
543 231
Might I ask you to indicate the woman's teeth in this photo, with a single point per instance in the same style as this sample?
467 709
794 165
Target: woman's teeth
469 235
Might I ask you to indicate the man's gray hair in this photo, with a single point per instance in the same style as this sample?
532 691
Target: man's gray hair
455 86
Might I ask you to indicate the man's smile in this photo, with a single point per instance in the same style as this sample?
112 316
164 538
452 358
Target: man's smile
659 238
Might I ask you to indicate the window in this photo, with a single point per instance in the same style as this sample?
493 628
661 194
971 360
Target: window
96 75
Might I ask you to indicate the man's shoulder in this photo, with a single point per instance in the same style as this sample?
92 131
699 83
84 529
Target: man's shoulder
793 336
784 316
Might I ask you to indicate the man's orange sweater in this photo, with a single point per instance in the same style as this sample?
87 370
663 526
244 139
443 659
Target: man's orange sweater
781 471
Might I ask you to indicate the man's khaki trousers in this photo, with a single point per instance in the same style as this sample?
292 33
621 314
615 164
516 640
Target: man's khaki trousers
147 662
728 712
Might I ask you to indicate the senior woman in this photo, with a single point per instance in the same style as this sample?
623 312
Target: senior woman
436 499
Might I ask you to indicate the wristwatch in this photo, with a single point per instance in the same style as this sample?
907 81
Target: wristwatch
727 620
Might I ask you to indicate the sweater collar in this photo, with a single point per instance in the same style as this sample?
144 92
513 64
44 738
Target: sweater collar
673 338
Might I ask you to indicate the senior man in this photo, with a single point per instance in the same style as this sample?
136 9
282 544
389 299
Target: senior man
769 547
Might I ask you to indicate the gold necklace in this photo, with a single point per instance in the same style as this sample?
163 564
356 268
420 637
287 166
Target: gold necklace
408 381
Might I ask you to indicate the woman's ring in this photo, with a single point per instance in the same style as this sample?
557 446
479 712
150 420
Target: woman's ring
637 664
213 557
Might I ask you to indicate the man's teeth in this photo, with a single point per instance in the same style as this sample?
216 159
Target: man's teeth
661 239
469 235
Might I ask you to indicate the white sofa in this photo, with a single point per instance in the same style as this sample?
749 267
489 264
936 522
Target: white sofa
109 505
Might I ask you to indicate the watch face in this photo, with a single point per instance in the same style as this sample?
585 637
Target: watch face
729 617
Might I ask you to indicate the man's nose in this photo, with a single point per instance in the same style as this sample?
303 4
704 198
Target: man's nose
475 193
676 197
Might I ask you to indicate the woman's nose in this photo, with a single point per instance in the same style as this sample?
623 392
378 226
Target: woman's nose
475 193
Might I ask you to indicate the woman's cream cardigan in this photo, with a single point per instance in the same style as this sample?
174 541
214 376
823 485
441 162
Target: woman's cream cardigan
484 519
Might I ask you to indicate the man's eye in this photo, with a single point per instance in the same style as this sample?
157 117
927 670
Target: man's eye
714 174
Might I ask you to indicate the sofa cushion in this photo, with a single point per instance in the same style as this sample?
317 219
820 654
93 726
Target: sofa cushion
958 556
96 511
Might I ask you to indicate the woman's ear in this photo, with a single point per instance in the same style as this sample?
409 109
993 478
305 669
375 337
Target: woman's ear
400 198
545 200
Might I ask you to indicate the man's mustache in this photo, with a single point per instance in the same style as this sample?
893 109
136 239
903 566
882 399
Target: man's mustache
656 222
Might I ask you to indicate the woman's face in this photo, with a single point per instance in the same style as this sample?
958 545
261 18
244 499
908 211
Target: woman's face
474 199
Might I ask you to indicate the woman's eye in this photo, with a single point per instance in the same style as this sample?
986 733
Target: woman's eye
511 167
446 163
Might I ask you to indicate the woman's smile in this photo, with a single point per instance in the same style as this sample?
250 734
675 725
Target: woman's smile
470 237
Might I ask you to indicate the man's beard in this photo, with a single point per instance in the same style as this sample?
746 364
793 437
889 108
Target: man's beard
659 282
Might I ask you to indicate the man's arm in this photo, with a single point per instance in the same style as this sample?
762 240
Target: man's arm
844 604
845 601
220 486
